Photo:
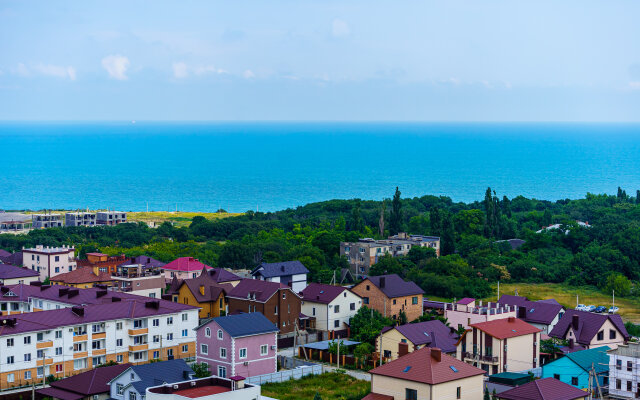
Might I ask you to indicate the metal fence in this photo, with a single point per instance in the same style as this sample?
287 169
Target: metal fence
285 375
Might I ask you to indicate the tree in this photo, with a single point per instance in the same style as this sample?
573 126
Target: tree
402 317
367 324
618 282
201 370
333 347
363 351
395 218
448 236
489 213
435 221
317 396
486 394
383 208
357 223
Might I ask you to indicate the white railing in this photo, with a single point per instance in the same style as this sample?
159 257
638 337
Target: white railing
285 375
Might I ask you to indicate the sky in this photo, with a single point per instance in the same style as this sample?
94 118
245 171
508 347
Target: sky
320 60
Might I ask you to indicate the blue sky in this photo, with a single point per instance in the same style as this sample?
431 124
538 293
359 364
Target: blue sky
320 60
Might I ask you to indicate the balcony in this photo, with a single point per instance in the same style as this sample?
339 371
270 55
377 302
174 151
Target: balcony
139 347
80 354
44 345
80 338
140 331
479 358
99 335
99 352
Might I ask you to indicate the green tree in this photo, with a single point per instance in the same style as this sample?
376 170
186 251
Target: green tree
448 239
357 223
201 370
435 221
618 282
395 218
367 324
317 396
402 317
363 351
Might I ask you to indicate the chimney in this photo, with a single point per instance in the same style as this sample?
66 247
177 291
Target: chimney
575 322
186 375
35 283
571 343
436 354
62 291
115 299
522 312
282 268
382 279
79 311
101 293
73 292
155 304
44 287
511 319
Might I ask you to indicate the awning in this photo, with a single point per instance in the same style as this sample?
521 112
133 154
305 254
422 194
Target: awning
324 345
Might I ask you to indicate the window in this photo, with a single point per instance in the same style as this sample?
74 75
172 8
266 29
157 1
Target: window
223 352
169 320
169 336
156 338
352 306
207 332
601 335
58 351
387 353
222 372
40 336
629 365
618 384
336 323
27 357
612 334
220 334
10 378
10 360
96 328
118 326
156 355
313 311
367 287
58 368
119 358
336 309
264 350
414 300
185 317
204 349
119 342
80 363
410 394
618 364
276 310
284 295
170 353
574 380
629 386
394 301
365 300
10 342
243 353
133 376
138 323
27 375
58 335
27 340
132 395
458 392
96 345
556 376
40 354
185 348
156 322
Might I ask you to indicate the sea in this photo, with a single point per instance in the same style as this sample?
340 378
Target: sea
269 166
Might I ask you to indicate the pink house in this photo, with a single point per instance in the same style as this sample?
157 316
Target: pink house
183 268
241 344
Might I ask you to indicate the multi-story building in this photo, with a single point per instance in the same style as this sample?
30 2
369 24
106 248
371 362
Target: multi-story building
68 341
390 295
366 252
80 219
41 221
110 217
102 262
291 273
138 279
184 268
15 222
49 261
241 344
330 307
503 345
624 371
465 312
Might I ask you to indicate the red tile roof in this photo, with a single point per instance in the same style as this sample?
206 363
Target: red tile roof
506 328
185 264
421 366
377 396
82 275
544 389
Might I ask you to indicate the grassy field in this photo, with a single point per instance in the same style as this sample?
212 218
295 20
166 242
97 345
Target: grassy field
566 295
329 385
180 218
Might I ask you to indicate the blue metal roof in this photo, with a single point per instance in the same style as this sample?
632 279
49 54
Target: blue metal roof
245 324
269 270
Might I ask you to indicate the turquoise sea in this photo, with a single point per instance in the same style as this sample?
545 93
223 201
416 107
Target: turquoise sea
272 166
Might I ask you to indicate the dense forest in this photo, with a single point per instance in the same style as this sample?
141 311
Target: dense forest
605 253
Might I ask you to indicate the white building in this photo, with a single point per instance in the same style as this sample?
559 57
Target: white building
291 273
331 306
211 388
624 371
49 261
41 221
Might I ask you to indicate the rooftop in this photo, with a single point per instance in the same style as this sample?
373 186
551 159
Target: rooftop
82 275
586 325
543 389
239 325
8 271
85 384
543 311
205 387
321 292
431 333
394 286
256 289
185 264
49 250
506 328
269 270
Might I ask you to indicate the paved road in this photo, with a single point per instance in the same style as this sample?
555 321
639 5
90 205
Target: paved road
363 376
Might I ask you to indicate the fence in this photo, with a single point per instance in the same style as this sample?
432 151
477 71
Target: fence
285 375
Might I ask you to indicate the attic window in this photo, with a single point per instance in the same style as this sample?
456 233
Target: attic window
426 334
322 291
406 369
454 369
513 330
533 309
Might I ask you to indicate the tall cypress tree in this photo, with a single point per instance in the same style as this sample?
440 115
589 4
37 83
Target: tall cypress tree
357 224
448 235
395 218
435 221
637 196
488 213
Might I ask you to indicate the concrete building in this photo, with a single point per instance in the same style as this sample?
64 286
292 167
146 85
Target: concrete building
291 273
330 307
80 219
467 311
212 388
365 252
389 295
184 268
624 371
110 217
49 261
41 221
139 280
11 222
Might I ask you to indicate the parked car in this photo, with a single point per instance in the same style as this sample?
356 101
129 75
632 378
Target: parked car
601 309
590 308
613 309
581 307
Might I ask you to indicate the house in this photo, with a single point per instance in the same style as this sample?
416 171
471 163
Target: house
110 217
241 344
211 388
183 268
11 275
426 374
83 277
49 261
12 258
624 369
41 221
90 385
276 301
332 307
102 262
402 339
366 252
591 330
139 279
465 312
80 219
291 273
543 314
503 345
390 294
573 369
132 383
203 292
544 389
67 341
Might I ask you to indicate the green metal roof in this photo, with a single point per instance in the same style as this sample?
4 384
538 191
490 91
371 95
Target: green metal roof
591 357
510 378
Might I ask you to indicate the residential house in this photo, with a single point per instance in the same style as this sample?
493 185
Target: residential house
90 385
139 279
399 340
183 268
591 330
503 345
41 221
390 294
366 252
426 374
204 292
467 311
49 261
573 369
83 278
330 307
544 389
12 258
291 273
624 371
276 301
15 222
102 262
241 344
132 383
543 314
211 388
67 341
110 217
11 275
80 219
146 262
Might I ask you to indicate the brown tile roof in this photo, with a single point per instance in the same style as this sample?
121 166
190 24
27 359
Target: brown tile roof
506 328
82 275
422 366
544 389
377 396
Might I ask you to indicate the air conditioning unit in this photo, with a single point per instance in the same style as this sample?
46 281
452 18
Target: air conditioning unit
175 386
102 325
193 383
273 347
70 329
535 360
245 363
70 347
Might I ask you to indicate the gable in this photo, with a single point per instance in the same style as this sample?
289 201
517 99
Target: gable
350 298
361 290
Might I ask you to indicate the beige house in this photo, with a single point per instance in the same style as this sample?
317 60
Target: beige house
331 307
504 345
396 341
591 330
49 261
426 374
468 311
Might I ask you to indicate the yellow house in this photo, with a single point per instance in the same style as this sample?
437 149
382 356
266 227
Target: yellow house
399 340
209 296
83 278
426 374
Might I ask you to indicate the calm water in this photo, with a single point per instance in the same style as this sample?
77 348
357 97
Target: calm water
271 166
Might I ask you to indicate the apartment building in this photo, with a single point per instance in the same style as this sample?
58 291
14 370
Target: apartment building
41 221
467 311
80 219
49 261
139 280
624 371
366 252
110 217
68 341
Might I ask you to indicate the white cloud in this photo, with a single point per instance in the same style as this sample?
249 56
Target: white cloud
248 74
22 70
180 70
56 71
208 69
340 28
635 85
116 66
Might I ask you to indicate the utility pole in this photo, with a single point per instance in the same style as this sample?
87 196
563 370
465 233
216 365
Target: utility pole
295 334
43 370
498 290
338 353
380 349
